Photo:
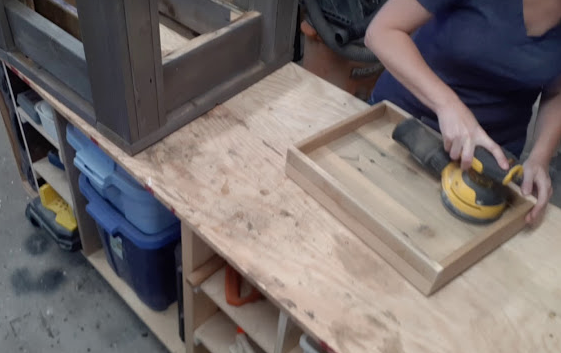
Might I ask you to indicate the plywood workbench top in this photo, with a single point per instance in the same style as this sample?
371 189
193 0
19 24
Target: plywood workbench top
224 175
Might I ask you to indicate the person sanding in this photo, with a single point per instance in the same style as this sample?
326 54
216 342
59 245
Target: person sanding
473 69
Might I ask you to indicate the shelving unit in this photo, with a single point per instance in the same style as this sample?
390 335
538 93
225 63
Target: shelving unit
40 168
163 324
55 177
259 320
25 118
20 123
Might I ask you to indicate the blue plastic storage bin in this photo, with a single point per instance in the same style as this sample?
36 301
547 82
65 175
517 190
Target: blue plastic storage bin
118 187
145 262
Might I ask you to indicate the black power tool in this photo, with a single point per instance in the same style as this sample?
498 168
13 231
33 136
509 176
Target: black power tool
477 195
342 25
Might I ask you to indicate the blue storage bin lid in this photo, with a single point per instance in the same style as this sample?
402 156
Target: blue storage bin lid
98 163
100 169
113 222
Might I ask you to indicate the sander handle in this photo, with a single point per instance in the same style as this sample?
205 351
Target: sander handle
486 164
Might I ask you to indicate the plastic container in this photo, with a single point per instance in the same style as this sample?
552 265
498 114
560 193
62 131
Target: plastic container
27 101
145 262
112 182
43 218
55 160
52 201
47 115
354 77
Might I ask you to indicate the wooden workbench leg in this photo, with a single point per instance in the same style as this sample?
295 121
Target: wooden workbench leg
86 225
198 306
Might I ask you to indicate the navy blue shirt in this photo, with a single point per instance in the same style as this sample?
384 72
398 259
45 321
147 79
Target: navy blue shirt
481 49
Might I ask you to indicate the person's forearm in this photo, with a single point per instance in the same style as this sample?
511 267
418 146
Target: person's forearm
548 129
399 54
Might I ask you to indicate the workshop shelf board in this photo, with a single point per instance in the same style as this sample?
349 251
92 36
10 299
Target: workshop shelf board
217 334
164 324
358 172
259 319
27 119
54 177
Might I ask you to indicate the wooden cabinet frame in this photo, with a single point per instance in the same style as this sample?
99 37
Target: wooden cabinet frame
116 78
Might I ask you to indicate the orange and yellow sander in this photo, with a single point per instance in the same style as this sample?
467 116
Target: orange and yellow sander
477 195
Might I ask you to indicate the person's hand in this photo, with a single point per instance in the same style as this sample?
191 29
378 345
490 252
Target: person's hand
462 133
537 182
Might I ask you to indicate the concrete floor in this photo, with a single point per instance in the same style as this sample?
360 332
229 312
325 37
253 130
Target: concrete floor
53 301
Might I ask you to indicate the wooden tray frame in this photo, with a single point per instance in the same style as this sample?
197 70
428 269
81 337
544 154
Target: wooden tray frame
378 233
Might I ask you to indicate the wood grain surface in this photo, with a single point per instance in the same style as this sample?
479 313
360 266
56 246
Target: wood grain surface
224 175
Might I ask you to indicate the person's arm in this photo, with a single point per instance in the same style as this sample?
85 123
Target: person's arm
547 137
388 36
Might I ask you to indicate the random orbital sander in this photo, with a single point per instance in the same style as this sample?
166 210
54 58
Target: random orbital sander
477 195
